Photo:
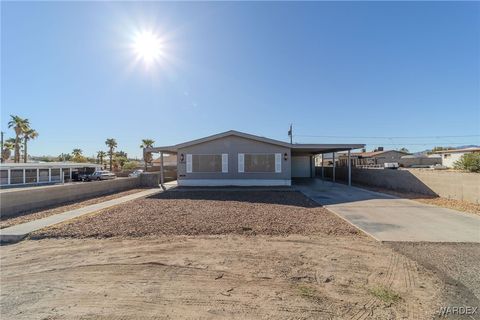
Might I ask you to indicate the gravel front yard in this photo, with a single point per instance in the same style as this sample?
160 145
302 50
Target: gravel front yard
38 214
207 213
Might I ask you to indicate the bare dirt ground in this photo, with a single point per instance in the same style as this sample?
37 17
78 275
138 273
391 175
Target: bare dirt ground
457 263
38 214
205 277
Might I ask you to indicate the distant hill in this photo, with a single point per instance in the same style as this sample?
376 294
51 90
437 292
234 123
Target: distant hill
467 146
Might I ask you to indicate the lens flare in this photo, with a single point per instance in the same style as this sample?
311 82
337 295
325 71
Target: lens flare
148 47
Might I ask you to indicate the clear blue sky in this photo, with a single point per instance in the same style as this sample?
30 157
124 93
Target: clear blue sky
332 69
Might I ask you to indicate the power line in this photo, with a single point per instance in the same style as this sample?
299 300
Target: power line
385 137
421 144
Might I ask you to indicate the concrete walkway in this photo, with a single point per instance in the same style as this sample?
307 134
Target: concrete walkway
388 218
20 231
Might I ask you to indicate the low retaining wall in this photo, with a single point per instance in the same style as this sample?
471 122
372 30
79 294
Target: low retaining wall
447 184
152 179
408 162
15 201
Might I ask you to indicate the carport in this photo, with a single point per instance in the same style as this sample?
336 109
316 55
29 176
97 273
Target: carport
303 156
162 151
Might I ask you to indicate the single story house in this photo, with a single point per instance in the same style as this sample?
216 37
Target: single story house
372 158
235 158
449 157
32 173
169 160
420 161
376 157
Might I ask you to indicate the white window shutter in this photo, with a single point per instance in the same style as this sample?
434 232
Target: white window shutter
224 162
278 162
189 163
241 162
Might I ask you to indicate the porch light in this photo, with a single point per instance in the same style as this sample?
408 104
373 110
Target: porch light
182 157
285 156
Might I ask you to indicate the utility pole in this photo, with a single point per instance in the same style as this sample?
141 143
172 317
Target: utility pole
290 134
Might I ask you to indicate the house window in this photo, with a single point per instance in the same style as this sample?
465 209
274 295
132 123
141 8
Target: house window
16 176
66 174
3 177
43 175
259 162
206 162
56 175
30 175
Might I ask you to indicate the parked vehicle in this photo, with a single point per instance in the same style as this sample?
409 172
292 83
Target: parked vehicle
101 175
136 173
390 165
81 174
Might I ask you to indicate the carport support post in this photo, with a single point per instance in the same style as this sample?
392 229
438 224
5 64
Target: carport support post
161 169
312 166
333 171
349 170
323 175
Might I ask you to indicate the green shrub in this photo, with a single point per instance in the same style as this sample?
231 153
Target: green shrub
130 165
469 161
385 294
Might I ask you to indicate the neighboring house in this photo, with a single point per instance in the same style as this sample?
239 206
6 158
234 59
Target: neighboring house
376 157
17 174
449 157
420 161
169 160
241 159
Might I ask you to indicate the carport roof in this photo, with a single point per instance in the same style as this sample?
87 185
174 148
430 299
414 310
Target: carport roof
295 148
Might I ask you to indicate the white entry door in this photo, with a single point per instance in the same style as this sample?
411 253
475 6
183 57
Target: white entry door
300 167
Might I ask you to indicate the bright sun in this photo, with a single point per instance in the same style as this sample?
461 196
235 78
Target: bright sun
147 47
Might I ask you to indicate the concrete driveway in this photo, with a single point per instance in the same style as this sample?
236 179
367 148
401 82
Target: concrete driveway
388 218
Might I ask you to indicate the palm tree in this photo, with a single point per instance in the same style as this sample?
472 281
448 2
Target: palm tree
147 156
121 154
64 157
112 144
29 134
77 153
20 125
100 156
8 146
